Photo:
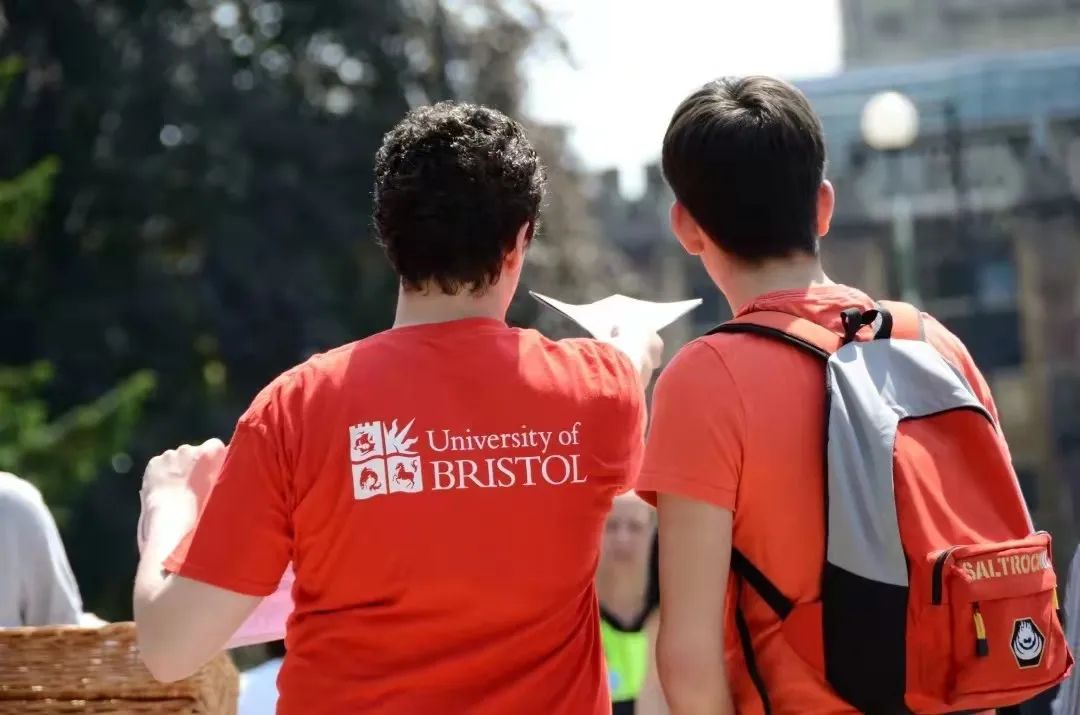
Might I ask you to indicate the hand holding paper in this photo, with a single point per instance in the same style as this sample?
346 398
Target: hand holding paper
184 479
627 323
619 314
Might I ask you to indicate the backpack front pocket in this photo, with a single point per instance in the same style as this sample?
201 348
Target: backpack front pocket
994 607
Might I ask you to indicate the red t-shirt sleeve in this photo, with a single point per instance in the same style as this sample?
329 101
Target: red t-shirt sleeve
242 541
614 439
634 432
694 447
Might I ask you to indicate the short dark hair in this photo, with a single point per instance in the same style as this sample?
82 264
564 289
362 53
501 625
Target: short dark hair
746 157
453 184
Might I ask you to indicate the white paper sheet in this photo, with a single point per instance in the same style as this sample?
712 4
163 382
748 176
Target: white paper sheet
618 314
267 622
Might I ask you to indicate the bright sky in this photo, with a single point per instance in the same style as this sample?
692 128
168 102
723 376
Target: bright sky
636 59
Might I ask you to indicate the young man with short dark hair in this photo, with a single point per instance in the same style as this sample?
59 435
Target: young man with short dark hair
440 488
734 456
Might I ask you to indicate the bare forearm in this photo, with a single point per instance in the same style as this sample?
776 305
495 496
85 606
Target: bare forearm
692 673
156 622
695 538
698 692
650 700
181 623
166 525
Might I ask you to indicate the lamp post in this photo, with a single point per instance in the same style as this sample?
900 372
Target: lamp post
890 124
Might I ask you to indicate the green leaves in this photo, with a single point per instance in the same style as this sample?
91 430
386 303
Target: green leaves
24 198
62 454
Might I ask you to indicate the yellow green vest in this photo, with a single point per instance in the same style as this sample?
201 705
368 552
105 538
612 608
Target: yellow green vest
626 653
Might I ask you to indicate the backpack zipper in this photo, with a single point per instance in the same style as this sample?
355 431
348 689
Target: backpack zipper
939 568
982 646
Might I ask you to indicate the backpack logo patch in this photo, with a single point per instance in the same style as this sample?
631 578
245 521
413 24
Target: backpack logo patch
1027 643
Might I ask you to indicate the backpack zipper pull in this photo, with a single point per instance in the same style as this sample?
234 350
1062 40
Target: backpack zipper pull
982 647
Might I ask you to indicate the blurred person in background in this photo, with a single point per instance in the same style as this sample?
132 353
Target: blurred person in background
37 587
441 487
258 685
626 599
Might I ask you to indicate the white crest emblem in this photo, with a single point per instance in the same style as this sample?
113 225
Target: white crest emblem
383 460
1027 643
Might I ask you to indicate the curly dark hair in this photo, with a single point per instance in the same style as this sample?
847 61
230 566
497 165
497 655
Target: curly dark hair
453 184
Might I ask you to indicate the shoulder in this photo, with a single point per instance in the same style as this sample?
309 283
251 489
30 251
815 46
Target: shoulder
699 362
15 489
587 373
945 342
698 392
585 362
594 355
298 385
20 501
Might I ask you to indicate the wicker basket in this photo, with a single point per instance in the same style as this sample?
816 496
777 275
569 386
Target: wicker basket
97 670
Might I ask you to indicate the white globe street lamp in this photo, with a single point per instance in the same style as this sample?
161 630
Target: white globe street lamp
890 124
890 121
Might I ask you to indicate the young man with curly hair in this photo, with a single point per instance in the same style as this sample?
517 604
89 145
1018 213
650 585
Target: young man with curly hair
440 488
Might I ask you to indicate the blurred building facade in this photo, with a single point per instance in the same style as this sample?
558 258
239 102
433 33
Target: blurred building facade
993 187
880 32
992 184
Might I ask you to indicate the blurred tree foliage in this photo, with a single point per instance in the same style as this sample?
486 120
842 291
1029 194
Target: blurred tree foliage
64 453
193 204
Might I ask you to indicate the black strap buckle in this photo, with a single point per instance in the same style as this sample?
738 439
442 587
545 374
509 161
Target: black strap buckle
855 320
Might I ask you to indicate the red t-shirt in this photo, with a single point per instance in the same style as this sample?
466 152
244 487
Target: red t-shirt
441 490
737 423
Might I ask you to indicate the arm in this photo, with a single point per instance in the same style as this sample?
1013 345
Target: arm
650 700
48 593
691 471
181 623
617 409
695 550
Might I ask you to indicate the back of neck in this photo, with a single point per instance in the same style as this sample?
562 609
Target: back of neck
745 282
434 306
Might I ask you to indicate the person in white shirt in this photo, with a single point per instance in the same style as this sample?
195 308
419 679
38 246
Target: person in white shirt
37 587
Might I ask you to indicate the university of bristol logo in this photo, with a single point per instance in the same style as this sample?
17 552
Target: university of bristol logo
383 459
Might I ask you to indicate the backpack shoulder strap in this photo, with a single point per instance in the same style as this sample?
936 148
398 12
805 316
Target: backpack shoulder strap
820 342
798 332
906 321
811 338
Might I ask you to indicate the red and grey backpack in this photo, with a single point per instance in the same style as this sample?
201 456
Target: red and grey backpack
937 595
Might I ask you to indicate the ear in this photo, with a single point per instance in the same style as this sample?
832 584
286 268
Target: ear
826 203
515 257
687 230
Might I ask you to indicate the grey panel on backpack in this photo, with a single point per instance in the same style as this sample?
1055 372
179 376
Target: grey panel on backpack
873 386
